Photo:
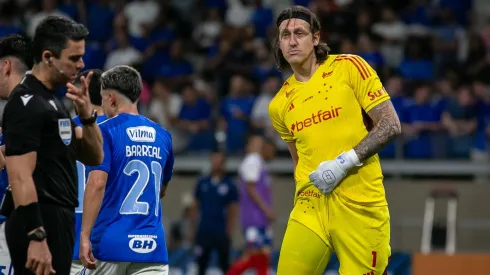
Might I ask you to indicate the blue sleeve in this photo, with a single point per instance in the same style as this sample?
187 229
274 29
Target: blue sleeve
77 122
107 145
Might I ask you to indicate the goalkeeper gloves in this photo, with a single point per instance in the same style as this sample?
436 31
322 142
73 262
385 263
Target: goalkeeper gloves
330 173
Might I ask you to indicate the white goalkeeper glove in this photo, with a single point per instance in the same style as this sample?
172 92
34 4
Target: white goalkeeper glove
330 173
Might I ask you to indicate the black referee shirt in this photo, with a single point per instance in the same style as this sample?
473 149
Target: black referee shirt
34 120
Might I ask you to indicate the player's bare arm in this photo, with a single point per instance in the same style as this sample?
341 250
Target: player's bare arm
163 192
232 213
386 127
92 201
20 169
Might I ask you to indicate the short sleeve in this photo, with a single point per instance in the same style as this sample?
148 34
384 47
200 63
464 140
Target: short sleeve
367 86
250 169
278 122
107 146
23 119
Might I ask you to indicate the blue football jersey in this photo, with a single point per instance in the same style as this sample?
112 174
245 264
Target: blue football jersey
139 161
82 179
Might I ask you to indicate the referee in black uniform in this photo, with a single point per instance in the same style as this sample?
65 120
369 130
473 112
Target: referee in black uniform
42 145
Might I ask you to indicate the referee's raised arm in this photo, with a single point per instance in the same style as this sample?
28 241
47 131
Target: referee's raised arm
89 137
42 147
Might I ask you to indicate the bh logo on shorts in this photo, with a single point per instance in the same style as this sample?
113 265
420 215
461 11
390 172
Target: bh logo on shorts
142 244
64 129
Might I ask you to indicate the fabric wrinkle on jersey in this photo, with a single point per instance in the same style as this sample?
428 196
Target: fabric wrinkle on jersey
138 159
82 180
306 112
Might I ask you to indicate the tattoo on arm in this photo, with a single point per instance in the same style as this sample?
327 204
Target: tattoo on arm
386 127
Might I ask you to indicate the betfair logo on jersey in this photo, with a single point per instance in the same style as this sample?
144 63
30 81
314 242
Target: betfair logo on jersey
315 118
141 134
379 93
310 193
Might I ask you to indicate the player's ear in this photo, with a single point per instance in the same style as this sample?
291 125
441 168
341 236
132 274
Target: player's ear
47 56
316 38
7 67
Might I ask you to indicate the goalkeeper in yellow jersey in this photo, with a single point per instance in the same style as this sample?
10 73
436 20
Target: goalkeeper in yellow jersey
340 203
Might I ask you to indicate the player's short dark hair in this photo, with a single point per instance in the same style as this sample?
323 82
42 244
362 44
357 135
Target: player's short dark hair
124 79
53 33
17 46
94 87
321 50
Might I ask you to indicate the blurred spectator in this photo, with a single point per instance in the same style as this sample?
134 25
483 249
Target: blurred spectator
416 64
165 109
393 32
178 70
481 148
238 13
124 53
460 120
262 18
255 208
206 33
215 206
8 24
195 121
449 40
48 9
368 49
394 87
421 120
264 62
260 111
235 111
100 16
141 14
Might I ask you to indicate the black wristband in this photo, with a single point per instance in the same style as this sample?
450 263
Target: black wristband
31 216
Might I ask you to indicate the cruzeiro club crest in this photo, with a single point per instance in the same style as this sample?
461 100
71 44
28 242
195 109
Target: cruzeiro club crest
64 128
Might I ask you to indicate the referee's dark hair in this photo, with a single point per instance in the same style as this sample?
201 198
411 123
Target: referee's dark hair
125 80
94 87
53 33
19 47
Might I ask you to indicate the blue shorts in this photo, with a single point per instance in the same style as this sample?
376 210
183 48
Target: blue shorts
258 237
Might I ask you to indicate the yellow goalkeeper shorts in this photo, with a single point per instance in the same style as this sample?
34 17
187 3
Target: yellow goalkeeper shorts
321 224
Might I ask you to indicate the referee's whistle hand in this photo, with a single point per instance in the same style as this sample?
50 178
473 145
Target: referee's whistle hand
39 258
80 96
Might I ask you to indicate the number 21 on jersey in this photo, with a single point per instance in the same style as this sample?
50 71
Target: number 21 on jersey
131 204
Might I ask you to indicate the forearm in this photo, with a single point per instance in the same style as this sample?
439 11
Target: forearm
386 127
92 202
252 192
231 221
23 190
90 151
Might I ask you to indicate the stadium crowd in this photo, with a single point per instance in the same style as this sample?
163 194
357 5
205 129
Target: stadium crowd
209 71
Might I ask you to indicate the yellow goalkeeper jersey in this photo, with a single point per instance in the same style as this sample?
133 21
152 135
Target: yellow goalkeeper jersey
324 117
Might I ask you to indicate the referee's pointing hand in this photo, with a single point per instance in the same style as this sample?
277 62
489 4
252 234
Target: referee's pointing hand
80 96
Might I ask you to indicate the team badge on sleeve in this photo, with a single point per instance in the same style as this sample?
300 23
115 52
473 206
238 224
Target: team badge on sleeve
64 129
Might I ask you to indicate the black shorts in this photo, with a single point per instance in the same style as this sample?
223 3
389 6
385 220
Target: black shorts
59 223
